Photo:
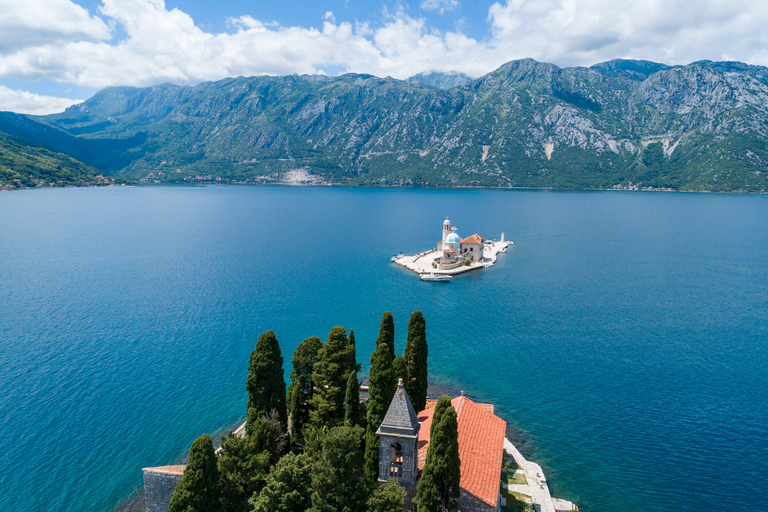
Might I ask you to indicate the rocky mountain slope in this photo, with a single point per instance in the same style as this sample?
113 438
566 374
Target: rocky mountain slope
702 126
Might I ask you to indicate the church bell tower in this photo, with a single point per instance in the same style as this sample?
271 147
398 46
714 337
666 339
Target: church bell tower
399 440
446 228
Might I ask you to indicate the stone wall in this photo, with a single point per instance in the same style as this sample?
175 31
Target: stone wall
470 503
158 486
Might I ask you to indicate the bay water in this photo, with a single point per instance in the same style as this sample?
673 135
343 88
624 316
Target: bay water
624 335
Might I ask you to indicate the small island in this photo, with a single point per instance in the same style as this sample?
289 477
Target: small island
453 255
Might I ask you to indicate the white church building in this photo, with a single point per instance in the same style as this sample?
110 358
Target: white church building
454 250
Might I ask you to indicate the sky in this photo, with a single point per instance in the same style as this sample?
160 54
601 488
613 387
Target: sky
55 53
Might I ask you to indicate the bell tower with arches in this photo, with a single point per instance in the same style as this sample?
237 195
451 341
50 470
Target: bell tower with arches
399 440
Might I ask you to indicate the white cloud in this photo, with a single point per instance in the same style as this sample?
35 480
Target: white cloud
24 102
58 40
45 22
583 32
441 6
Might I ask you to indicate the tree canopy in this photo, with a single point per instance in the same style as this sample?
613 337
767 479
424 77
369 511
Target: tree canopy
266 383
198 487
416 352
439 488
338 482
301 389
336 362
287 487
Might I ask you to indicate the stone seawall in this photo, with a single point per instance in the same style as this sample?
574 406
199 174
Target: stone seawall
159 483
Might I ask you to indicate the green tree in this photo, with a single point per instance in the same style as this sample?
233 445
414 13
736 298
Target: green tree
352 337
352 408
337 361
198 487
416 352
400 369
439 487
301 388
243 468
338 481
266 383
287 487
381 389
388 497
387 333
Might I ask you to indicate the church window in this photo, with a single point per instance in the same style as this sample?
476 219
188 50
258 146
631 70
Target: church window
396 460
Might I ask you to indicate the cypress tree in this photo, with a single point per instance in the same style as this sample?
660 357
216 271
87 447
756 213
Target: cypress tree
337 360
401 372
352 402
439 488
265 383
381 389
351 337
198 487
301 388
416 352
387 333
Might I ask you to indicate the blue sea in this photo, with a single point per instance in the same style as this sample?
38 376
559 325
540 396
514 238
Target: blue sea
624 335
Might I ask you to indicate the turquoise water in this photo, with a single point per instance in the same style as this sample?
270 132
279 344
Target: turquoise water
624 334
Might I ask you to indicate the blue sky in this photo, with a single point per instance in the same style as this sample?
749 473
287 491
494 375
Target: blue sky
54 53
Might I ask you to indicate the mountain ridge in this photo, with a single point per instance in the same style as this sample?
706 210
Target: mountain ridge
618 124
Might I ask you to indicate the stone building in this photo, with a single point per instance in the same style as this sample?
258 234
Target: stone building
481 448
399 441
159 483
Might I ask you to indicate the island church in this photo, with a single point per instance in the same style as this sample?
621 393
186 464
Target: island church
454 250
404 440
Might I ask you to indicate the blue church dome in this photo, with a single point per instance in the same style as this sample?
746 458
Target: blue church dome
453 238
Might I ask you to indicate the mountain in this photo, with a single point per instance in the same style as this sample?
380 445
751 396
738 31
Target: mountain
26 165
621 123
440 80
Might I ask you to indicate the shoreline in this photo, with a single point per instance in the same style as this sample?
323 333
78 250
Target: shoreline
5 188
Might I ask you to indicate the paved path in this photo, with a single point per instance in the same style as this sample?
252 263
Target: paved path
536 487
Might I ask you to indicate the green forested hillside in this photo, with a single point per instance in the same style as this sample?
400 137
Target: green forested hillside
703 126
25 165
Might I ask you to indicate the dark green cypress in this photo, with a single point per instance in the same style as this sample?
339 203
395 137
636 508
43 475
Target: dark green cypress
416 352
266 383
439 487
352 402
301 388
337 360
387 333
198 488
401 372
381 389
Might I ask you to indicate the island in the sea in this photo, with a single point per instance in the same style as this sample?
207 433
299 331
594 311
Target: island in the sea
453 255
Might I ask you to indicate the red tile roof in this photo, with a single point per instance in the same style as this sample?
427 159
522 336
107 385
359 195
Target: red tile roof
474 239
481 446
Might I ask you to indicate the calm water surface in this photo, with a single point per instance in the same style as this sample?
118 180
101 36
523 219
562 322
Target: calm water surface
624 334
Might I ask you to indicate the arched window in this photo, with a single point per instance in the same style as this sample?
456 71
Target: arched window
395 460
